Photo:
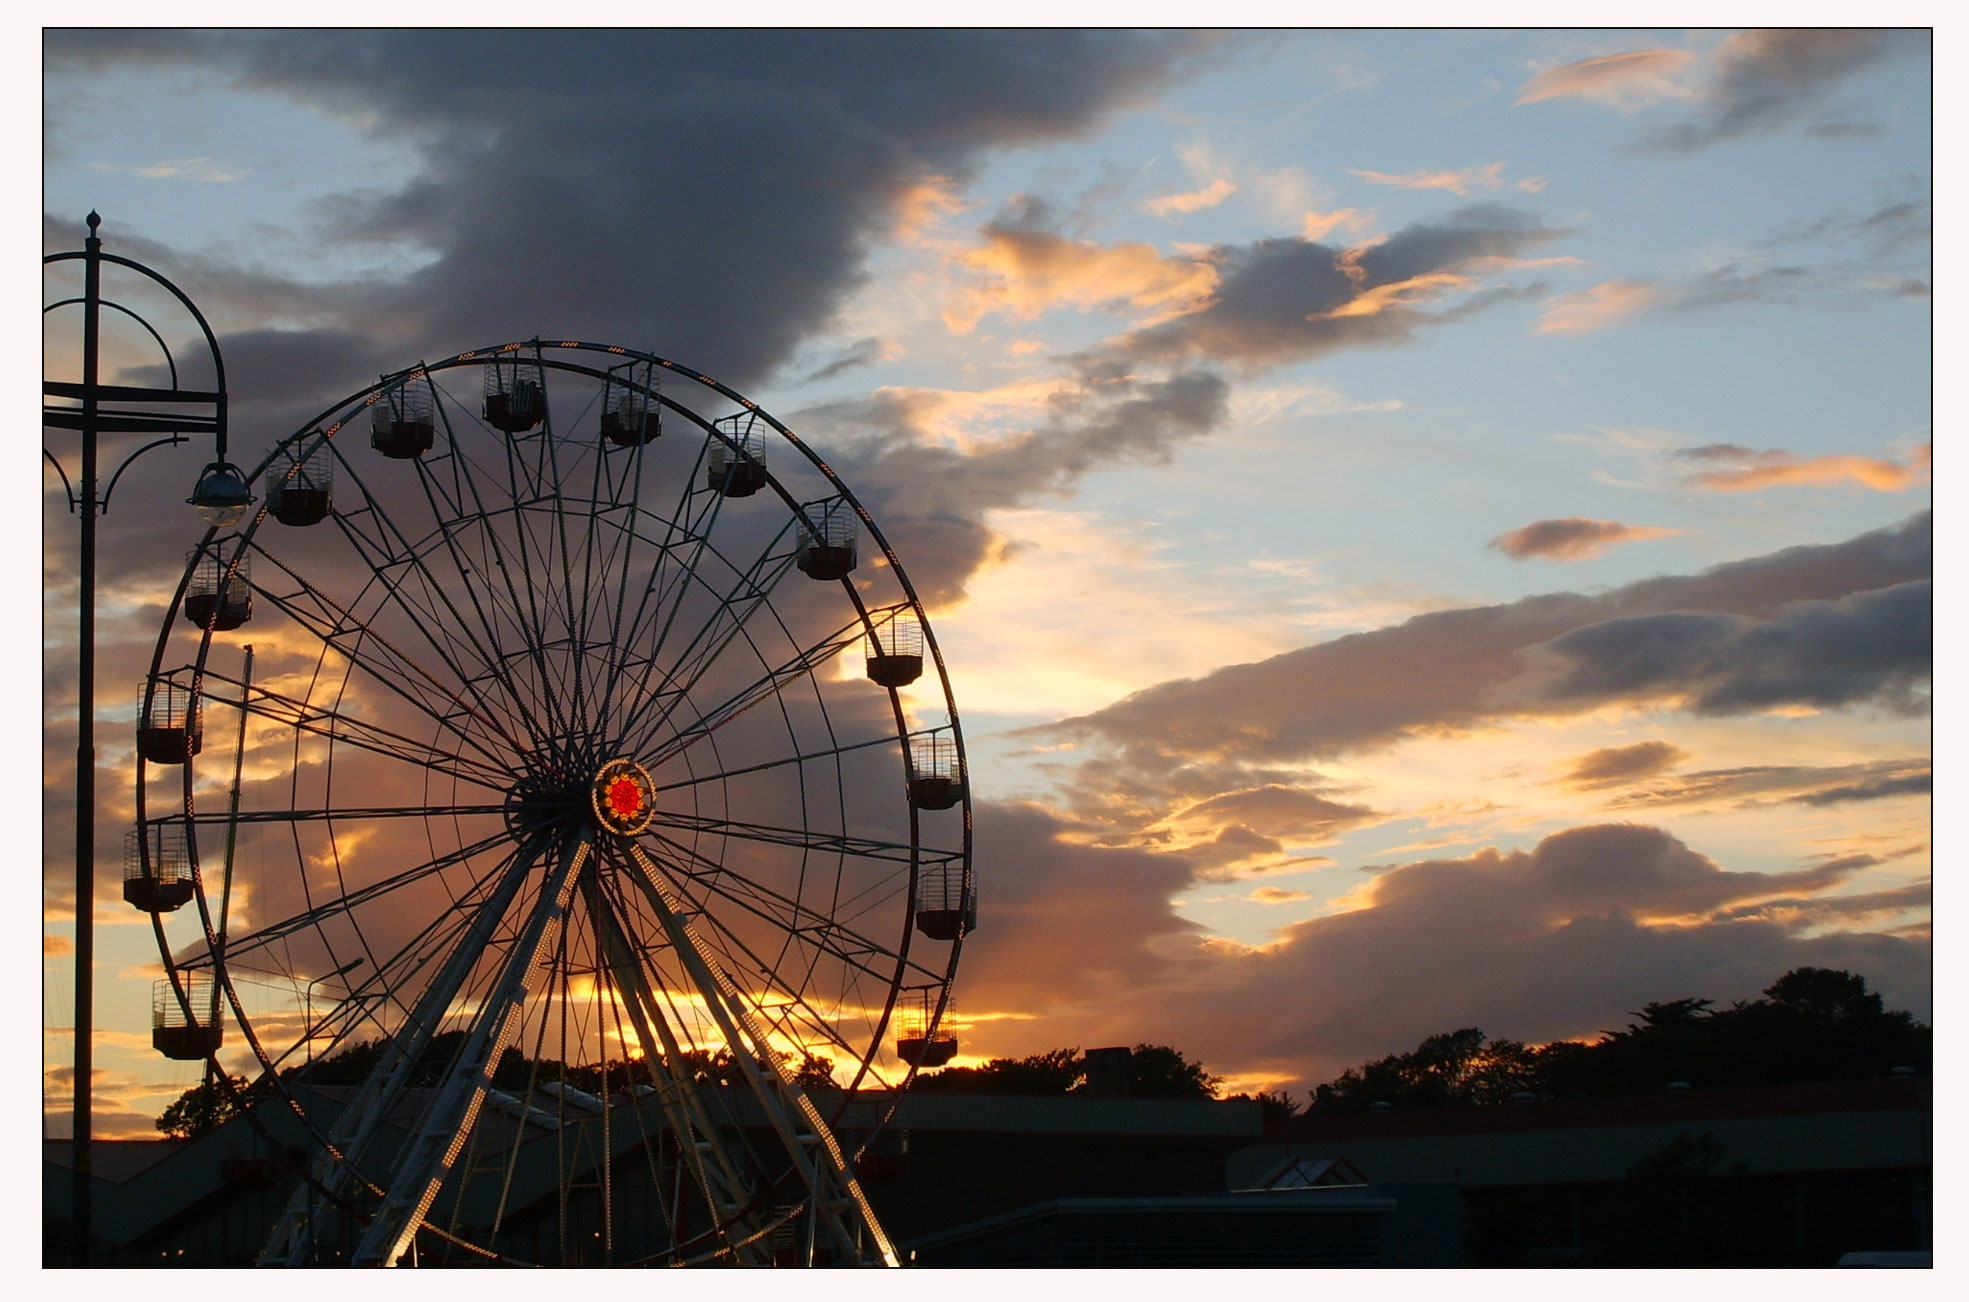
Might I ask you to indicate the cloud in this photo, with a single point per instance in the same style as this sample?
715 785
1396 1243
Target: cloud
1595 308
1796 784
1621 81
862 352
1913 784
1760 82
1824 624
1024 271
1296 813
1276 895
1754 83
1616 766
1286 299
1235 830
1317 225
1570 539
932 498
1881 253
659 217
1490 176
1866 646
1195 201
1733 469
1560 940
180 169
1868 906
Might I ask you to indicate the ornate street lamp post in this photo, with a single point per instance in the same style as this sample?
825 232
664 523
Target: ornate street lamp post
221 496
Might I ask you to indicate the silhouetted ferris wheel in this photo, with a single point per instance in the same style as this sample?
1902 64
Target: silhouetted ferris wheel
570 791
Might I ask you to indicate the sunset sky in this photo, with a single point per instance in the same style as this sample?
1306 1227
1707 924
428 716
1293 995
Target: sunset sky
1428 529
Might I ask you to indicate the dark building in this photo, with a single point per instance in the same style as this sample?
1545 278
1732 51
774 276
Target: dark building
1781 1175
1786 1175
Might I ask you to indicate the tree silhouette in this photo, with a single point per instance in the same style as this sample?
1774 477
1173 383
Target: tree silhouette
1813 1024
206 1107
1056 1071
1155 1071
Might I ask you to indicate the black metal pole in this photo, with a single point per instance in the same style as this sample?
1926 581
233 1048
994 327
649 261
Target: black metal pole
221 495
85 764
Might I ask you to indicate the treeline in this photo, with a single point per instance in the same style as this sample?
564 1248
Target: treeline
1812 1024
206 1106
1155 1071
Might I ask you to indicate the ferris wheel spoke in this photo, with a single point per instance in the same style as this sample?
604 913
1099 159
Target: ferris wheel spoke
836 1203
767 766
799 838
389 666
725 623
721 1180
777 1000
354 813
824 930
686 537
771 684
340 728
482 509
314 917
752 585
730 608
392 549
409 1176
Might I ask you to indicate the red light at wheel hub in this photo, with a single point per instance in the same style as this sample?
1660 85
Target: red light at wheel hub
624 797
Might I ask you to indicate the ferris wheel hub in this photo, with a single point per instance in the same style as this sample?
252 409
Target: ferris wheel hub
623 797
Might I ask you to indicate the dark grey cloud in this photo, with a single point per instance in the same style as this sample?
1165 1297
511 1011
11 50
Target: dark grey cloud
1570 538
708 195
1615 766
1874 645
862 352
1764 81
1795 625
1913 784
1788 783
1286 299
1836 909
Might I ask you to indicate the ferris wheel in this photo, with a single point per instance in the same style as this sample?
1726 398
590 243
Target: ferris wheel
573 802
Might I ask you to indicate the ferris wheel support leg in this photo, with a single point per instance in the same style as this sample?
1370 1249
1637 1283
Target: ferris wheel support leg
292 1239
839 1208
699 1140
432 1150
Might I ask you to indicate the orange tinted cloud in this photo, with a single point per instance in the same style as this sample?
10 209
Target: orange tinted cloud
1613 766
1746 471
1400 293
1571 539
1208 197
923 204
1618 80
1024 273
1319 225
1488 177
1595 308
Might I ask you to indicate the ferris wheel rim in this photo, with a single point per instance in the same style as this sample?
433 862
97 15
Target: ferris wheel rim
243 540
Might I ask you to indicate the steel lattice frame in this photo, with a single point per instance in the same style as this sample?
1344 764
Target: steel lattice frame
460 667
